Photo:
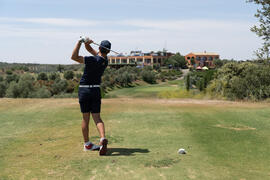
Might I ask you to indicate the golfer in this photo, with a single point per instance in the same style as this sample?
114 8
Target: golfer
89 91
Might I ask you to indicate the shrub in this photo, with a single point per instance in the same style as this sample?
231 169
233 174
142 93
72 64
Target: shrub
102 92
162 77
148 68
22 89
42 76
78 75
76 88
54 76
8 72
200 84
170 74
156 67
149 76
25 68
218 63
124 79
187 82
25 85
42 92
71 86
13 90
199 79
3 89
242 81
13 77
59 86
68 75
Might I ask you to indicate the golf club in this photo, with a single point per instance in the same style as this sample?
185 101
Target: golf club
84 39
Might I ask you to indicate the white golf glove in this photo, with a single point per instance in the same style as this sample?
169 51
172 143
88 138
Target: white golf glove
83 39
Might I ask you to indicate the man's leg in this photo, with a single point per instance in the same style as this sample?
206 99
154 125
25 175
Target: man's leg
88 146
99 124
85 127
101 129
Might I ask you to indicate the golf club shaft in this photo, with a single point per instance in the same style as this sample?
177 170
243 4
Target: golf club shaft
105 48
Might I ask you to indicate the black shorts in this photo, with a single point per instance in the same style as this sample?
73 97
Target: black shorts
90 99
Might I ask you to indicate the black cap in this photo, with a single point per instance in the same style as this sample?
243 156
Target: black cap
105 44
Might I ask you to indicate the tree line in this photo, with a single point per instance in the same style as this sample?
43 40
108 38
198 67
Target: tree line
16 83
233 81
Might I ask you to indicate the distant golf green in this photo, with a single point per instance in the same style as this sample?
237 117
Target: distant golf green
41 139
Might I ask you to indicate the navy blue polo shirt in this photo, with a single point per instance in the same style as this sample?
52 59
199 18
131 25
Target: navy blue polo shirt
94 69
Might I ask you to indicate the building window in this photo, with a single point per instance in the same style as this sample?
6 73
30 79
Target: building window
124 61
113 61
117 61
204 58
188 57
139 60
159 60
198 58
132 60
148 61
155 60
210 58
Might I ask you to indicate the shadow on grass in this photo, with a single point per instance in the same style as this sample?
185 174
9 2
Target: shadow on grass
125 151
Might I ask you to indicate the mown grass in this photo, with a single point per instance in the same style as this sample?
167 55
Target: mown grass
147 90
165 90
41 139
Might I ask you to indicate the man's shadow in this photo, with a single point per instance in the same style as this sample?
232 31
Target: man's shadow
125 151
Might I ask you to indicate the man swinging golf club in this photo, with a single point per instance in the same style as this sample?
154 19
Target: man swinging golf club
89 90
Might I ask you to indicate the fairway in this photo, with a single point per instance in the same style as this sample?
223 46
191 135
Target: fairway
41 139
147 90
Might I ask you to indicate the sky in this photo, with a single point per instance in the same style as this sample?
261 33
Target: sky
46 31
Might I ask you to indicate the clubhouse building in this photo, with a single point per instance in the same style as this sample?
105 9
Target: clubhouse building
138 58
201 59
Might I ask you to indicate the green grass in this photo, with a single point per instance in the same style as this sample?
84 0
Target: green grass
41 139
166 90
147 91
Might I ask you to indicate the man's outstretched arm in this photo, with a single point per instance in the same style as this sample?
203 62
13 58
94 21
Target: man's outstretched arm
75 54
89 48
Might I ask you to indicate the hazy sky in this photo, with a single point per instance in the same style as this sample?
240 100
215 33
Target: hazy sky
35 31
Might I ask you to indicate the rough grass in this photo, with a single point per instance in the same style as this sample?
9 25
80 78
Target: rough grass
41 139
182 94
